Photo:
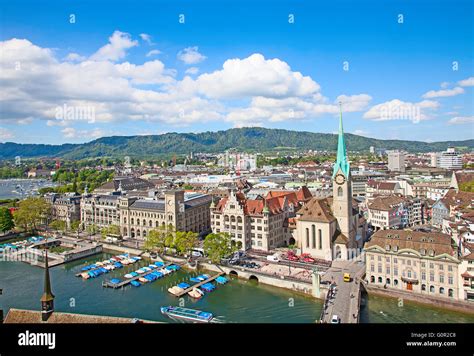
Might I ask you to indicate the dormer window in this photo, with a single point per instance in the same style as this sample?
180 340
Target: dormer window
431 253
387 247
423 252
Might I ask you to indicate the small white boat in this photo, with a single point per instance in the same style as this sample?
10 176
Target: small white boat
98 263
196 293
175 290
128 275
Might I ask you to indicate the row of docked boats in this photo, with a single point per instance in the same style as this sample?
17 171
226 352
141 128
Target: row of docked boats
18 245
150 273
197 292
99 268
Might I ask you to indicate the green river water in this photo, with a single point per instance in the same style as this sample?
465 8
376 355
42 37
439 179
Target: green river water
238 301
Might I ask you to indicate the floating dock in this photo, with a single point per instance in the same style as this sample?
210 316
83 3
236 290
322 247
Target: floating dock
109 284
210 279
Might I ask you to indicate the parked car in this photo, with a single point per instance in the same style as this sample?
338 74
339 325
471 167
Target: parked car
335 319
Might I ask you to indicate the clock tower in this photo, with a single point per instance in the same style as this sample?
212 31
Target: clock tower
342 188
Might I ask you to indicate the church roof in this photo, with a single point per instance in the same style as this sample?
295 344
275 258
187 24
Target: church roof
317 210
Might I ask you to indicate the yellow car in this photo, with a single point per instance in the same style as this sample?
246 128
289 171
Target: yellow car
347 277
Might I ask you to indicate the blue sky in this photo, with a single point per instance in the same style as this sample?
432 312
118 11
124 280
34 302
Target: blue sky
136 69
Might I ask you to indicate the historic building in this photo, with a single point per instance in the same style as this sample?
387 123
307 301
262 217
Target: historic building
421 262
331 228
185 212
100 210
260 223
395 212
65 207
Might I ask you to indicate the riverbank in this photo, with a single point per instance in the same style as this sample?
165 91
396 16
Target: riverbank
426 300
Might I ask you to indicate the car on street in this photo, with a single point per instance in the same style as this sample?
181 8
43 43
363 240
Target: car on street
335 319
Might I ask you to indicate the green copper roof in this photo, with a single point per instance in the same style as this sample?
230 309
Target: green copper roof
341 162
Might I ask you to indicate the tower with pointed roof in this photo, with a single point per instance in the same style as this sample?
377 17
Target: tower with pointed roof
342 187
47 299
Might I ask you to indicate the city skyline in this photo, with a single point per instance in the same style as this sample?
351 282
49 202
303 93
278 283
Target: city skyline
169 67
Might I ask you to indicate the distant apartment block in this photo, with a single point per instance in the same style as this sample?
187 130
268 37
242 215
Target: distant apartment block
396 161
450 159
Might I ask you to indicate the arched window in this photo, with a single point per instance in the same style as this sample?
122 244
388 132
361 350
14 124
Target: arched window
372 279
313 236
441 290
450 292
144 222
380 279
395 282
131 220
150 223
307 237
339 192
387 281
432 289
423 287
320 238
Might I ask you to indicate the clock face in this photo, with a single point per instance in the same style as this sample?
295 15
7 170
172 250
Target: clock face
170 202
340 179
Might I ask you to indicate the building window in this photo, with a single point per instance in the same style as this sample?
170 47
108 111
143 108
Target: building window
450 279
423 287
307 237
441 278
313 236
395 282
432 289
387 270
339 192
372 268
380 279
431 277
423 276
441 290
320 237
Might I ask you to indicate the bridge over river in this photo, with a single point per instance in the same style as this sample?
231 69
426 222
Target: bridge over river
345 303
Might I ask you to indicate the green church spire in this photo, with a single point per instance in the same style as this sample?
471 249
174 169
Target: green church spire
341 162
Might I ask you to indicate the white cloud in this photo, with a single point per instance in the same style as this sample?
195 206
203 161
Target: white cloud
443 93
401 110
469 82
147 38
444 85
153 52
74 57
5 134
116 49
192 70
191 55
460 120
255 76
266 90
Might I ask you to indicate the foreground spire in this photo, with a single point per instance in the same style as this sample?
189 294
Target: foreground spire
47 300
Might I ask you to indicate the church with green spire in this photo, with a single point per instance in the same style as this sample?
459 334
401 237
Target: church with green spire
330 228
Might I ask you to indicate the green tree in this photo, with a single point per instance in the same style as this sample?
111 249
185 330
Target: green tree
218 245
31 212
185 241
58 225
6 220
75 225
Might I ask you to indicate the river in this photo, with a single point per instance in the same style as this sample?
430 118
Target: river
22 188
237 301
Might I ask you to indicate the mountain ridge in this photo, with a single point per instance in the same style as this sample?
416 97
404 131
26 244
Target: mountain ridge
245 139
